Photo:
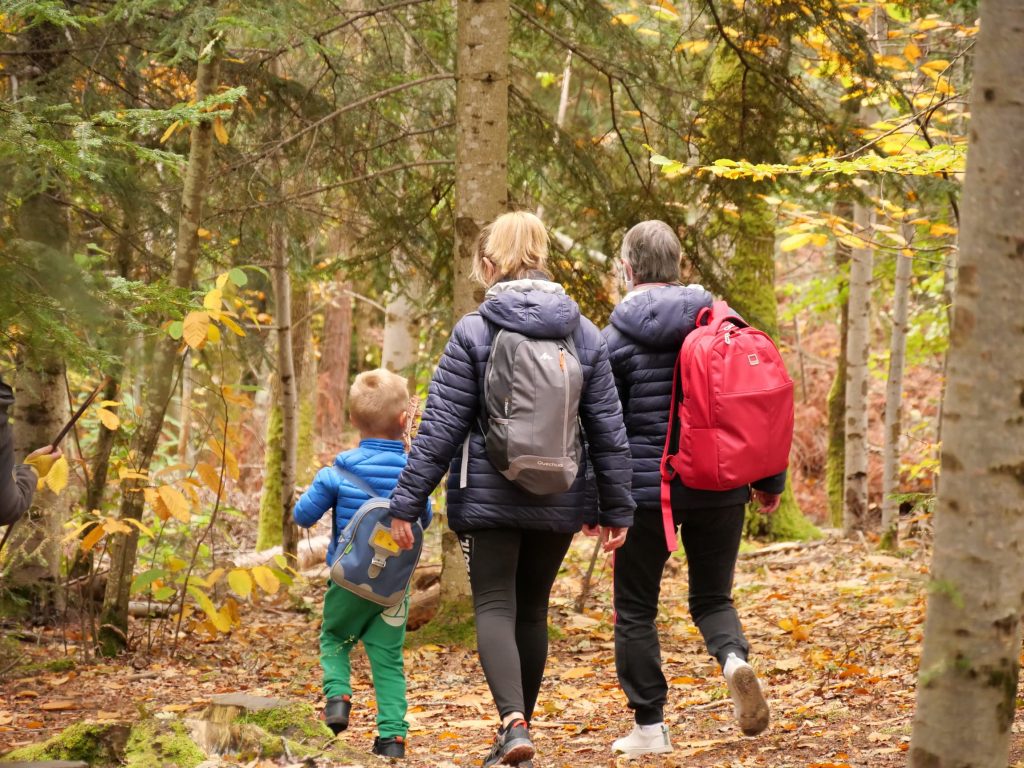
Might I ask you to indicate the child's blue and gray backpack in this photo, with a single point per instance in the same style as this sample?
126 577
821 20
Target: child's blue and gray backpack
368 562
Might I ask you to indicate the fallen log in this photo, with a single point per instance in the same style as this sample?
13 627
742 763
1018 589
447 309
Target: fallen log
423 606
311 551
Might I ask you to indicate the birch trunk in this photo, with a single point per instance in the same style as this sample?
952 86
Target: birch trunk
894 404
855 472
402 323
481 191
157 388
967 687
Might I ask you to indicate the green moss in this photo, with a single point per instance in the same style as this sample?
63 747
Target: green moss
787 524
57 665
99 745
298 721
453 625
166 744
269 533
305 455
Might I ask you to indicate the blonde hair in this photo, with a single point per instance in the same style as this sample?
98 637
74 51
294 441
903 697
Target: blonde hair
513 245
376 402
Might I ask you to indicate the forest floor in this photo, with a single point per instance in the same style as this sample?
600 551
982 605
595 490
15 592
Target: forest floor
835 629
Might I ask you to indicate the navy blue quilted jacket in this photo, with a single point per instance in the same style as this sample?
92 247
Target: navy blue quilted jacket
379 462
540 309
646 331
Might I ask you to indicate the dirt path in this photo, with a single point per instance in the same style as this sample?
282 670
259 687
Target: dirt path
835 631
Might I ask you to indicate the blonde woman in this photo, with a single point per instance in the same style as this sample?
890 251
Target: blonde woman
513 539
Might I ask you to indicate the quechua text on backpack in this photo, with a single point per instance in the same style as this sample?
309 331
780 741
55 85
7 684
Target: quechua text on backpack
368 562
731 420
532 393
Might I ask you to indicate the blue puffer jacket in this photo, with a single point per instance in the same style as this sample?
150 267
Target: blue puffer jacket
647 329
540 309
378 462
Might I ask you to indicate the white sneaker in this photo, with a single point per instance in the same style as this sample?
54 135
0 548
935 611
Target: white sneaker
747 696
644 740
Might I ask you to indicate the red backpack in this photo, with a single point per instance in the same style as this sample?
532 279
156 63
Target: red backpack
732 409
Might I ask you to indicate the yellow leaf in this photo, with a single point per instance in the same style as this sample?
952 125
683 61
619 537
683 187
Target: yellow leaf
892 62
220 131
175 564
819 240
266 579
240 582
212 303
113 525
232 325
853 241
109 403
935 67
209 476
170 131
793 242
204 233
92 537
941 229
214 577
213 334
194 329
110 419
625 18
925 24
159 508
57 477
694 46
176 502
912 52
219 620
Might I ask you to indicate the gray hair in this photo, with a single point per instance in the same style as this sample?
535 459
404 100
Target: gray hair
652 249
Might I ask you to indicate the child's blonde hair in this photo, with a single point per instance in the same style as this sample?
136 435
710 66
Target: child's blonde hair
511 246
376 402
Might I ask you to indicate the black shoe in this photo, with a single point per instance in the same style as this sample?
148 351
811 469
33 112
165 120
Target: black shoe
512 745
336 713
393 746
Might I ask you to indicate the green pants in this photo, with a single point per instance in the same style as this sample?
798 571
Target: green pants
348 619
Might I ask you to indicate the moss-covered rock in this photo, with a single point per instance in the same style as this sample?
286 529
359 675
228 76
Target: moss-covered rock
298 721
101 745
162 744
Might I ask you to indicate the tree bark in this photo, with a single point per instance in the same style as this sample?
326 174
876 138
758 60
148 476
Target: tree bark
402 323
286 380
481 134
967 687
855 472
157 388
894 404
835 463
332 379
744 121
481 193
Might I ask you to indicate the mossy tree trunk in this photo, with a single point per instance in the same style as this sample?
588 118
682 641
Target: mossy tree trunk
159 377
967 685
744 120
837 394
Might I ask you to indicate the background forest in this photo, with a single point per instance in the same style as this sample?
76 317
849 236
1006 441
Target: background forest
216 213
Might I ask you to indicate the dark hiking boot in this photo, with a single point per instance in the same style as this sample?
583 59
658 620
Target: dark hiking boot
392 746
512 746
336 713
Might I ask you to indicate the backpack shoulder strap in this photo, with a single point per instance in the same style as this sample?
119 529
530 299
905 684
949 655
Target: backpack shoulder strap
353 479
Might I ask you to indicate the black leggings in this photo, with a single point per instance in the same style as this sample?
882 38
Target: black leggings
511 572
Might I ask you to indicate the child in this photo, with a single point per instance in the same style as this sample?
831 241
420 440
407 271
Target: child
378 408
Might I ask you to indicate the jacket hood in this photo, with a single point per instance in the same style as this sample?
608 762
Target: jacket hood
661 316
536 308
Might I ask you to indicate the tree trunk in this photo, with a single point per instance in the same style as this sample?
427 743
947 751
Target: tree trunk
835 463
967 688
305 382
402 323
481 192
332 379
286 380
894 404
481 134
157 388
855 472
744 122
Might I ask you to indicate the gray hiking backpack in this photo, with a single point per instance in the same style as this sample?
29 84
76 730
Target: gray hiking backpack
532 398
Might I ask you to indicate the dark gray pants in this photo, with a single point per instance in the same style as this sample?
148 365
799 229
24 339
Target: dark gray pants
711 538
511 571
